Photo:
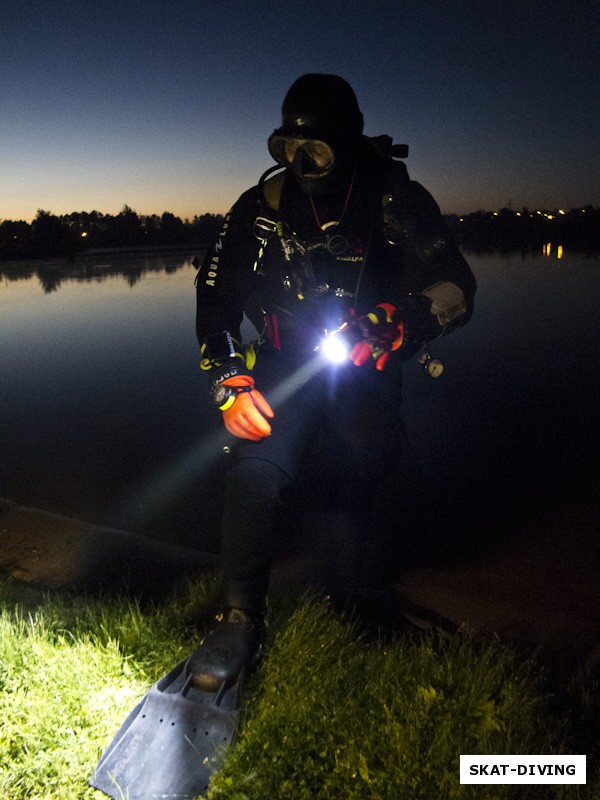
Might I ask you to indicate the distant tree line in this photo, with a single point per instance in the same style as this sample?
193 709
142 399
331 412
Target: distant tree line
578 229
66 236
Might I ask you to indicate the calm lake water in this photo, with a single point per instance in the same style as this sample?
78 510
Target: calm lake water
104 415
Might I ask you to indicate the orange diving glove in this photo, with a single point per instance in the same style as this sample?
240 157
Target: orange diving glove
244 409
383 332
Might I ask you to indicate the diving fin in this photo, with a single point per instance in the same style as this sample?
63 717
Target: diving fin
171 742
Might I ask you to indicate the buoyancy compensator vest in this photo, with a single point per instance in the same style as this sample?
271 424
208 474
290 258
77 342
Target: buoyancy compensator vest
305 270
309 268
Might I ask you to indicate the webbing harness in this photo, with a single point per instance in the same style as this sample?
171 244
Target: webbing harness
395 220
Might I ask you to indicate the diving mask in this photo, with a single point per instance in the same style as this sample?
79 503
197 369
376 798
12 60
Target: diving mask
307 157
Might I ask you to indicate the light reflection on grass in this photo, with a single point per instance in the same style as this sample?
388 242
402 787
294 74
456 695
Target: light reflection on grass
329 715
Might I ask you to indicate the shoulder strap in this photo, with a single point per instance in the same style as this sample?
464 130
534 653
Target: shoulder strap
268 199
272 189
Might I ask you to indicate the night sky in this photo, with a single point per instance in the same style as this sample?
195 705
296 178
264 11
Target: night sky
168 105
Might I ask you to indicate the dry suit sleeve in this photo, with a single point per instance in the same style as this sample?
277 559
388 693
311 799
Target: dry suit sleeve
434 264
224 280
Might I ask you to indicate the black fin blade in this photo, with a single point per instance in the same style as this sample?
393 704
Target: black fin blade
170 744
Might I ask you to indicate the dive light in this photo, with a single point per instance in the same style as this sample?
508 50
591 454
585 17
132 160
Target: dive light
337 344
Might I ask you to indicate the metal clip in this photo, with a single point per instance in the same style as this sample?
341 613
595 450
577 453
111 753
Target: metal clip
264 228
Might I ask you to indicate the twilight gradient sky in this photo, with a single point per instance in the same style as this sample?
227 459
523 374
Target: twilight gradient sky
168 105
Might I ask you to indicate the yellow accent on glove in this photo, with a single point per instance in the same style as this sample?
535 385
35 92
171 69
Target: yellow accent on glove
383 338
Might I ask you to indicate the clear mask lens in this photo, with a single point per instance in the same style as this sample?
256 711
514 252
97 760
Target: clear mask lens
286 149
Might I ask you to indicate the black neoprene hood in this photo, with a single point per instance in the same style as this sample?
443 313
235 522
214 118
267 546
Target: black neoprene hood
320 106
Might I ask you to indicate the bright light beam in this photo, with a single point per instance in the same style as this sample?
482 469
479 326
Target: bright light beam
189 466
290 385
179 474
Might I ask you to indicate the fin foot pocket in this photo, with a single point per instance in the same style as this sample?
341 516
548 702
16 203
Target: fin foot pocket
227 653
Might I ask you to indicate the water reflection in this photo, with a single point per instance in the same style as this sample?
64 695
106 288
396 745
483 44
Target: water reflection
52 274
547 250
94 268
102 400
100 385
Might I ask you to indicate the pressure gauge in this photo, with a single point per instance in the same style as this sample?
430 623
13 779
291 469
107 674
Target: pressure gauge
432 366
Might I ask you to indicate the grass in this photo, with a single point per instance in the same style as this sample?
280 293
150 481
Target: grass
328 715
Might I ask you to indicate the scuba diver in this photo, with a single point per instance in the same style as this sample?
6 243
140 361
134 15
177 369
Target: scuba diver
344 256
346 269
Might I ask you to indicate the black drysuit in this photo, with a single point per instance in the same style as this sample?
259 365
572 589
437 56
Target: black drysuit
306 276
